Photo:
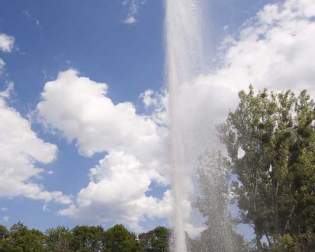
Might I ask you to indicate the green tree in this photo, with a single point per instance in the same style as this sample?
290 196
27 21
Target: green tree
156 240
270 139
119 239
5 246
58 240
27 240
3 232
88 239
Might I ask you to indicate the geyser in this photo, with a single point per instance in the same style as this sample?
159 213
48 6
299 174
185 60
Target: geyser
199 178
184 62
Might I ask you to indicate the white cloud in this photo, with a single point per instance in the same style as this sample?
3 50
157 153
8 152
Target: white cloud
116 192
81 111
156 103
149 98
130 20
6 45
21 151
6 42
133 9
7 92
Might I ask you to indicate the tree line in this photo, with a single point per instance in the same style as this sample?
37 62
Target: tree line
19 238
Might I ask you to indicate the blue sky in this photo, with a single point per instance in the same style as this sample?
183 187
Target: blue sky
92 37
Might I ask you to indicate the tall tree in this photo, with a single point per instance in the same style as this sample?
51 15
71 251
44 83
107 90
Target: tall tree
270 139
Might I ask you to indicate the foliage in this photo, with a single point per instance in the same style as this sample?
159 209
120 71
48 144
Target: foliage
59 239
20 238
119 239
87 239
81 239
270 139
3 232
156 240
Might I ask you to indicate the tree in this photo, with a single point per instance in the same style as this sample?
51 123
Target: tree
5 246
3 232
270 139
58 240
119 239
27 240
87 239
156 240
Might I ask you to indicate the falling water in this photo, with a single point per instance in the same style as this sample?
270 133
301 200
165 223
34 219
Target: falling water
184 55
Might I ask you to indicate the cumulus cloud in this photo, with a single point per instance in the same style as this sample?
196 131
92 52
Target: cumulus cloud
274 50
21 152
116 192
81 111
6 42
